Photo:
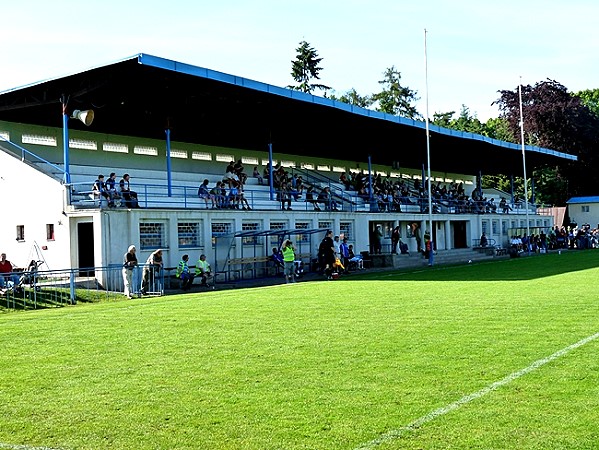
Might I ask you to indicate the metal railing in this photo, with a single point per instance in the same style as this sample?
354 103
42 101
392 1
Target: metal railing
54 288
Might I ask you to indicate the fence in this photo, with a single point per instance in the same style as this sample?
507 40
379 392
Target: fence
54 288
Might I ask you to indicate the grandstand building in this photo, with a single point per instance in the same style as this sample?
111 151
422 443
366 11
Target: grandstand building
171 125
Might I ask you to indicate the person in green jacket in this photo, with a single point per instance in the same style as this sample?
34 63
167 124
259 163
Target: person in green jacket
289 261
203 270
184 274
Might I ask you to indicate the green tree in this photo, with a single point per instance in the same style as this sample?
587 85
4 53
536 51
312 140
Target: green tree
353 98
306 68
590 98
394 98
557 119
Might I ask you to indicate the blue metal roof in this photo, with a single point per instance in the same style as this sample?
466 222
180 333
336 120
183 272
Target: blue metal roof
578 200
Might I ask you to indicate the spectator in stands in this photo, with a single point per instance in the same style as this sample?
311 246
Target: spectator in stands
203 270
151 270
310 198
111 189
99 190
256 174
238 167
344 180
233 198
184 274
326 255
505 208
129 195
204 193
7 277
266 173
288 261
326 198
230 176
285 196
129 264
299 187
242 200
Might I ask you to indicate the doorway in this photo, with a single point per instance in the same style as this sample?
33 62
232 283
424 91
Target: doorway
459 234
85 248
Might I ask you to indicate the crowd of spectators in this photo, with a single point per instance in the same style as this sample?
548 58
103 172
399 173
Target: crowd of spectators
108 190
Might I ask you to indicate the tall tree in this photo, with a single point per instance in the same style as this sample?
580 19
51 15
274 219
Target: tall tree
353 98
590 98
555 118
394 98
305 68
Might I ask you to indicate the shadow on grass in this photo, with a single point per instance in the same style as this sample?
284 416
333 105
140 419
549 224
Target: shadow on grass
525 268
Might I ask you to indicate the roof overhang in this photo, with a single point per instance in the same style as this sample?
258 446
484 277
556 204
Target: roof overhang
143 95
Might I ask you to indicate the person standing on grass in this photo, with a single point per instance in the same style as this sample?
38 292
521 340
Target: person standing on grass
151 269
326 254
129 264
289 261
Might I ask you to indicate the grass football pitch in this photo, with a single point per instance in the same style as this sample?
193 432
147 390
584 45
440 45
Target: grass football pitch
499 355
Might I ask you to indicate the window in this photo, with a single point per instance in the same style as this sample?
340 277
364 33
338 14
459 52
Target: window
189 234
485 227
302 226
145 150
504 227
250 226
201 156
219 229
152 235
38 140
181 154
83 144
495 226
50 231
220 157
115 148
585 208
274 239
20 232
325 224
347 229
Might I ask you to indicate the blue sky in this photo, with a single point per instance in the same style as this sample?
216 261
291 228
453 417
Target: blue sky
475 48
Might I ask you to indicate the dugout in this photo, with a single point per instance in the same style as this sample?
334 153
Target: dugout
244 255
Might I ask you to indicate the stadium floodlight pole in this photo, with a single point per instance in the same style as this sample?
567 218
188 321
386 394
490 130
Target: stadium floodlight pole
524 166
428 159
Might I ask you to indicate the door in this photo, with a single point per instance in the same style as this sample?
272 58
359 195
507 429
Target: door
85 248
459 234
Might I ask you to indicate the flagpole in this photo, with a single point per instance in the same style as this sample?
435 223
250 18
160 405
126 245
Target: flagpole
524 166
428 159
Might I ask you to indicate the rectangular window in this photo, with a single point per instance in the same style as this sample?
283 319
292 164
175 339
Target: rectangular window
323 168
201 156
250 240
287 163
504 227
20 232
485 227
338 169
145 150
39 140
585 208
249 160
115 148
308 166
220 157
5 135
219 229
302 226
325 224
181 154
189 234
152 235
347 229
83 144
274 239
495 225
50 231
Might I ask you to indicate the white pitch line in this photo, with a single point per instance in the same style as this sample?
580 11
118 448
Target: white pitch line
396 434
24 447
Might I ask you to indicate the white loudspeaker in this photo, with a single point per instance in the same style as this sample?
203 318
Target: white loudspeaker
87 116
